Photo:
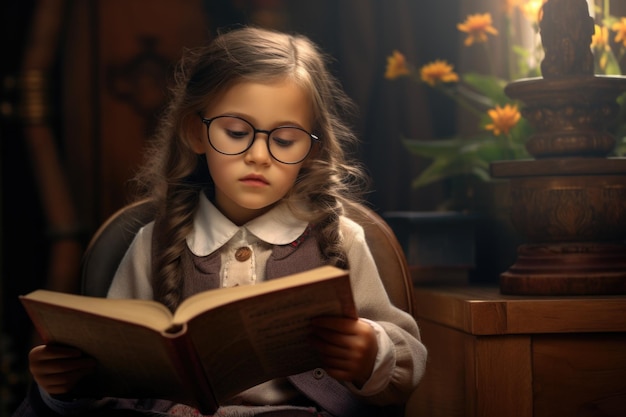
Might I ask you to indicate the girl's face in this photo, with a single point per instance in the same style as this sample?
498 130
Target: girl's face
249 184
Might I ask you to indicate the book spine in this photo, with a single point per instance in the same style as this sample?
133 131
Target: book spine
186 358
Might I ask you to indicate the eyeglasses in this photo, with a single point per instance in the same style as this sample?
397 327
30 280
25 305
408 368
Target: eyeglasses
232 135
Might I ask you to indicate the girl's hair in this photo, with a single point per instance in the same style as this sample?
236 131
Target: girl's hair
174 176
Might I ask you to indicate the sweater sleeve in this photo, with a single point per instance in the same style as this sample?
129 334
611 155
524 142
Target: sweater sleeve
400 327
132 279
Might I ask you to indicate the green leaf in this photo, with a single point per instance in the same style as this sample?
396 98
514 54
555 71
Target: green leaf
462 156
620 147
488 86
522 131
609 21
454 161
434 148
611 66
491 150
523 69
443 168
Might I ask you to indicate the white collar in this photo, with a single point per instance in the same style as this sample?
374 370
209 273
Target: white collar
212 230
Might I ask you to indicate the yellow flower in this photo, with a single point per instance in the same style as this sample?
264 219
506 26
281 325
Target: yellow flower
620 28
438 71
503 119
600 45
600 38
396 66
477 26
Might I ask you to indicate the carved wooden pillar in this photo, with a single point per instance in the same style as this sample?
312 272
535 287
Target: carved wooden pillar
39 55
570 202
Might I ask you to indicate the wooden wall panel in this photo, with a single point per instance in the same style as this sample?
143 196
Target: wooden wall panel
79 105
120 56
503 370
442 391
580 376
138 41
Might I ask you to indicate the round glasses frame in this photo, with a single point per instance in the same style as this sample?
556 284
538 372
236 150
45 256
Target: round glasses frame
207 122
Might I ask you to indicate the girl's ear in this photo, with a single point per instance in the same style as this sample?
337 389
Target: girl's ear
195 136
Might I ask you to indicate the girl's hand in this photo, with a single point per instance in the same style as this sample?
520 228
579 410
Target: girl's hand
348 348
57 369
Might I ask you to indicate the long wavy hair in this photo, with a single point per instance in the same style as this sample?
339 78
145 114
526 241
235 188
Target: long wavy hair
174 176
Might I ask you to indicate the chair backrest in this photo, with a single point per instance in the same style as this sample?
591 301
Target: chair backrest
388 255
111 240
109 244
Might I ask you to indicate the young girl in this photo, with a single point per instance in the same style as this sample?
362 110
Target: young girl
250 179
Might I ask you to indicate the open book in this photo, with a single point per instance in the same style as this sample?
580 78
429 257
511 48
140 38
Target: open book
217 344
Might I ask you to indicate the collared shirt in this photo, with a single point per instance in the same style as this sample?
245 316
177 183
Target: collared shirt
244 250
213 231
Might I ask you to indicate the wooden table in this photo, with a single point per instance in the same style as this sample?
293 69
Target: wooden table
509 356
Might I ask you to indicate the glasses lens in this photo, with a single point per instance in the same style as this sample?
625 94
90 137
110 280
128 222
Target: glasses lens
289 144
230 135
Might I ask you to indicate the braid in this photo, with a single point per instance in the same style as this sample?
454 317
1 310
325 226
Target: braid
330 240
322 193
175 223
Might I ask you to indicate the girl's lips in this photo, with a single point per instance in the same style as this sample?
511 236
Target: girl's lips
256 180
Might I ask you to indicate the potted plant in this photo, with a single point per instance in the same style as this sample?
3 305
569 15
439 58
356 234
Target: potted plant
463 161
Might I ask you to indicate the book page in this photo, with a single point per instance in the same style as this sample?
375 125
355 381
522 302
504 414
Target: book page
132 360
145 312
259 339
199 303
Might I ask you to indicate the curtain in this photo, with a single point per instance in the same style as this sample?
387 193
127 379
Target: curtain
360 34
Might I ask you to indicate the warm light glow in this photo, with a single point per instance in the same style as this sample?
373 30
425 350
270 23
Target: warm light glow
531 9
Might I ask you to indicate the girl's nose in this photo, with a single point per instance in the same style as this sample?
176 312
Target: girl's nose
259 152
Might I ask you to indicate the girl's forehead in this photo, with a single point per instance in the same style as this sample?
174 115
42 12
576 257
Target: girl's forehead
277 101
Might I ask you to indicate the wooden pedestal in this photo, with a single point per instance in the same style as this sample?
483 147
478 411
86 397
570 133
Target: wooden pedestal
495 355
572 212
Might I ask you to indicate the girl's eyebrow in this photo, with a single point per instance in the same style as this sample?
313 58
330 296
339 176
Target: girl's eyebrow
253 121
